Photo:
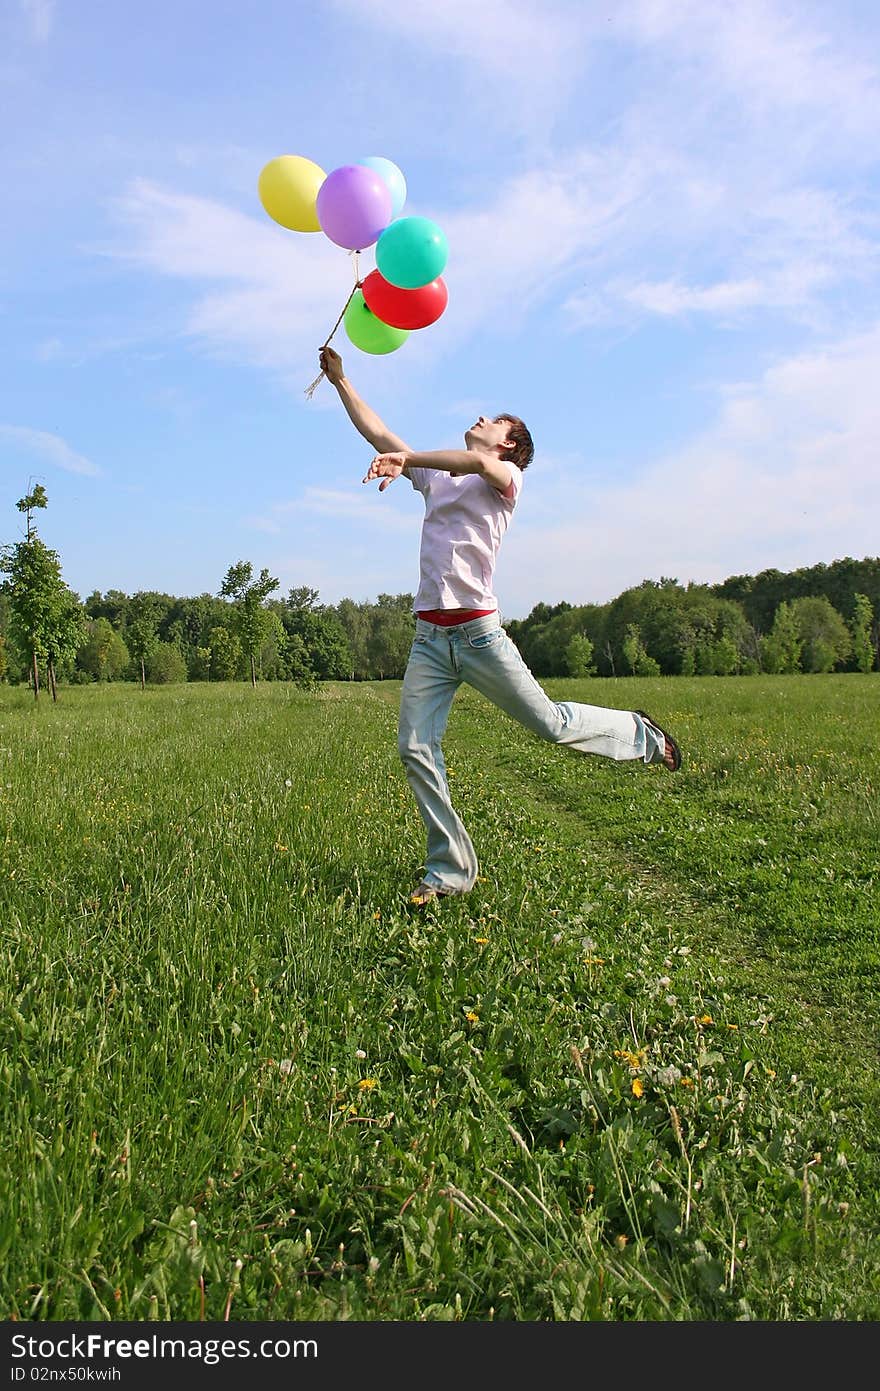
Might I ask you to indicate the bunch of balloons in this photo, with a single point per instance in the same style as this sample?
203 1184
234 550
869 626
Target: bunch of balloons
358 206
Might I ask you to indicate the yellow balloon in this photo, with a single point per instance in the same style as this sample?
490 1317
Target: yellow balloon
288 188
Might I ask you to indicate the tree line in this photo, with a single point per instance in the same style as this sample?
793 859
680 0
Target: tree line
821 619
818 619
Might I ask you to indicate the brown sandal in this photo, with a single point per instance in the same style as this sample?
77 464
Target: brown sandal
671 746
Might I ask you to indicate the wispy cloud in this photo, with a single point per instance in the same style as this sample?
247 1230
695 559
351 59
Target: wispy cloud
361 505
273 294
772 57
707 196
51 449
786 476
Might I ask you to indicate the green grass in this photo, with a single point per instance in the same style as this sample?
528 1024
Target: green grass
226 1039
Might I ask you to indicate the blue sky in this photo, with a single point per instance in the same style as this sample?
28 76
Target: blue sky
663 225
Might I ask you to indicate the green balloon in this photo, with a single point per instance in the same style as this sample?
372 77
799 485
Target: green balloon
411 252
367 332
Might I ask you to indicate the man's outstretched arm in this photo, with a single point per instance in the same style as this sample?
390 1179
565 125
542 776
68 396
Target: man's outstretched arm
392 463
363 417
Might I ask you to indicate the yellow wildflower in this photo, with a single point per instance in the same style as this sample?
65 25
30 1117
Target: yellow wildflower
366 1084
637 1088
472 1018
635 1060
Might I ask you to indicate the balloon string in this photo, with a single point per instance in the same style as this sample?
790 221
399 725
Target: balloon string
312 387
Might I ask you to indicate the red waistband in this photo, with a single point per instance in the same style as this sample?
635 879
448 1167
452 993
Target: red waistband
447 618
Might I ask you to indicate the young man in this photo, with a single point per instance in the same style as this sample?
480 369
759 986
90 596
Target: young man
470 496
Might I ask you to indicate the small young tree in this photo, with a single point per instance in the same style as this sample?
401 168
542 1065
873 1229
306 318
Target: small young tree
781 648
140 632
45 616
635 654
249 596
860 627
579 656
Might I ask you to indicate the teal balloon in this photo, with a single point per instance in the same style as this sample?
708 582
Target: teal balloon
369 333
392 176
411 252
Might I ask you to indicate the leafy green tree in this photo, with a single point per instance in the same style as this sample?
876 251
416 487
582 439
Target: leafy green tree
298 665
725 656
544 645
224 654
825 638
114 606
579 656
44 615
355 621
635 655
781 648
249 596
200 665
321 631
860 627
271 659
166 664
141 629
103 655
391 635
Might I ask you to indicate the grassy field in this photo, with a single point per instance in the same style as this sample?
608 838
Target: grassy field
632 1076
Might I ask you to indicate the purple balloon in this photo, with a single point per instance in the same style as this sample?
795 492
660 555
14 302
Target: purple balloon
354 206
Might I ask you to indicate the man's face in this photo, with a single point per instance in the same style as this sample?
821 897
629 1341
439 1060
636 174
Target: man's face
486 433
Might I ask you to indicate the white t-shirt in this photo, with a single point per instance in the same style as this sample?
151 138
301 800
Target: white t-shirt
465 521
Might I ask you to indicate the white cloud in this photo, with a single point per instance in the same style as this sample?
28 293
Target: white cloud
277 293
768 55
40 16
52 449
787 476
668 298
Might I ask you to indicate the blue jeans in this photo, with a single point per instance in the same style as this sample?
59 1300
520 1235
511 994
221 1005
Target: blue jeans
480 653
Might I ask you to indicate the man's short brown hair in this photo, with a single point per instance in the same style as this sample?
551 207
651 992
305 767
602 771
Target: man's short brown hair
523 451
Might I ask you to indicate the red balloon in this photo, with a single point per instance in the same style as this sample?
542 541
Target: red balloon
405 308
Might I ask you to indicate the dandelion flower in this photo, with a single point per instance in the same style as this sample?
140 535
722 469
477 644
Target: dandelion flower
366 1084
472 1018
637 1088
